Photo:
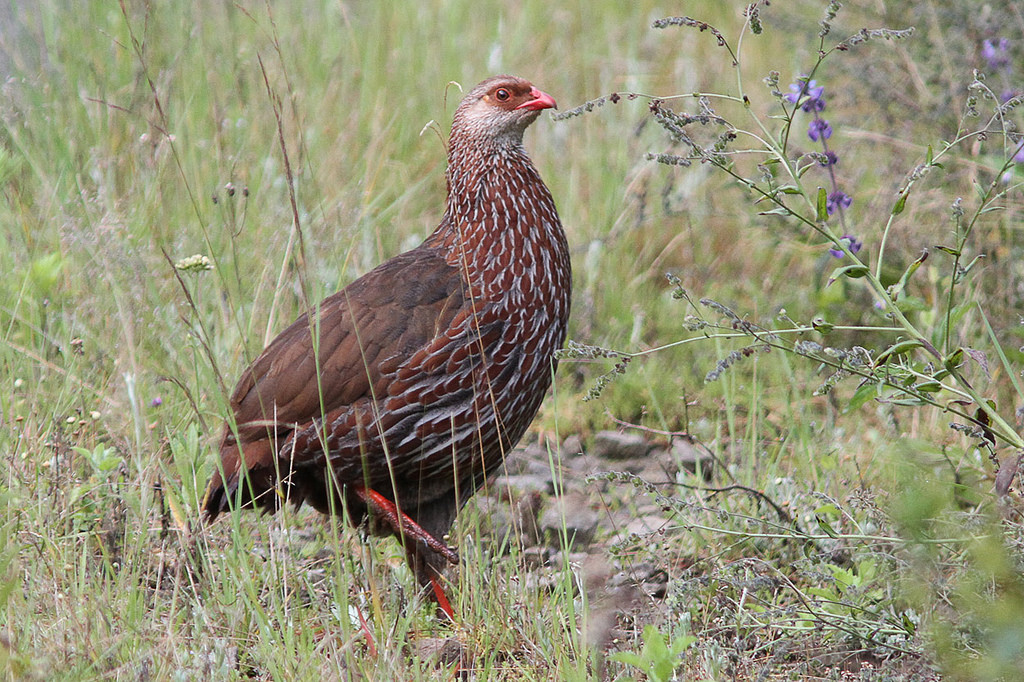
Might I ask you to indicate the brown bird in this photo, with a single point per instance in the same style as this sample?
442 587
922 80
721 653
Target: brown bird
397 396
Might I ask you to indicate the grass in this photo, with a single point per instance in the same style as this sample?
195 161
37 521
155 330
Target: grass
836 541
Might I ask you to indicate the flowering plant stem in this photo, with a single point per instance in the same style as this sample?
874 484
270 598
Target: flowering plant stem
806 95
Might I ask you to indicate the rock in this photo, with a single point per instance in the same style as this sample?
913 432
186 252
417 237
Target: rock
442 651
525 495
541 580
615 445
659 467
573 560
637 572
536 557
572 513
526 509
520 459
648 507
511 487
572 447
644 576
531 459
688 457
502 515
494 516
644 527
584 465
647 524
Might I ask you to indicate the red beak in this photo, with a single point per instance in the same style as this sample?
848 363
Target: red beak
541 100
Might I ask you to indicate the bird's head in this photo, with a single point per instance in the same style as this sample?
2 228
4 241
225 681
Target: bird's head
499 109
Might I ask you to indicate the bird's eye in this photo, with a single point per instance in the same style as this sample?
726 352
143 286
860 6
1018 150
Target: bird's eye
502 94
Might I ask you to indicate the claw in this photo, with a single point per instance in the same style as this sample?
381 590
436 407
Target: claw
401 524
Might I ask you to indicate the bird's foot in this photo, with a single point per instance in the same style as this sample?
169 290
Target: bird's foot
404 527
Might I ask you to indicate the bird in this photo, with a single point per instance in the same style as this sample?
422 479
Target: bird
394 399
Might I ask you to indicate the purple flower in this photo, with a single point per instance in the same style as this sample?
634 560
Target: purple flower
836 200
808 94
819 127
852 243
156 402
996 54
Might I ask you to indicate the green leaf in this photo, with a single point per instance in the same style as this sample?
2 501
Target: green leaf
844 578
657 659
953 360
629 658
662 670
863 394
826 527
901 203
900 348
828 509
826 593
851 271
822 205
684 642
929 387
103 459
967 268
896 289
654 644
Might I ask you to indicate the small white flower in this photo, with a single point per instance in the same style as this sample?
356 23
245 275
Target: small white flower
196 263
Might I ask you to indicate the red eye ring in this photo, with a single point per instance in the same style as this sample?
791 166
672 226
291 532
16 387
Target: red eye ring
502 94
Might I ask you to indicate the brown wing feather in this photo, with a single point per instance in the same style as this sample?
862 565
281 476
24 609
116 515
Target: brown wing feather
401 305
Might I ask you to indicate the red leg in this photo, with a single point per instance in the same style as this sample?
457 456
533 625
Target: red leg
371 643
441 597
403 526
